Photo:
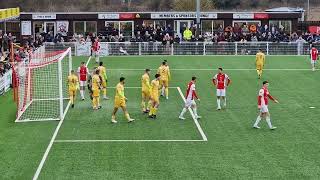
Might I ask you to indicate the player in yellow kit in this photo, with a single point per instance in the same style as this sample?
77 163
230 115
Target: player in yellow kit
155 86
164 72
260 61
104 79
73 84
96 86
120 102
146 87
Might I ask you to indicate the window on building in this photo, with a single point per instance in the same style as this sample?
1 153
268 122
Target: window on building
211 26
83 27
282 25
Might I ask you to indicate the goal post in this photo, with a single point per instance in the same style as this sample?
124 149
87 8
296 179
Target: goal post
42 86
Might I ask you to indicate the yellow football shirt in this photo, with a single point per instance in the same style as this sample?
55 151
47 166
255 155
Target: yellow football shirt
120 92
260 58
155 85
95 82
145 82
72 82
102 72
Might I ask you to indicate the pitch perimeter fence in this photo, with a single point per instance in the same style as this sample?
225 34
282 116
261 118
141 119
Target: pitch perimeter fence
184 48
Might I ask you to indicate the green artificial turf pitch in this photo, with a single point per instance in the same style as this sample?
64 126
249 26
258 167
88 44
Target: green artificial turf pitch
234 149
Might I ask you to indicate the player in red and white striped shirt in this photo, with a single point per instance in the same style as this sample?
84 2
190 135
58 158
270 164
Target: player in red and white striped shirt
263 101
190 99
221 81
314 57
96 49
82 74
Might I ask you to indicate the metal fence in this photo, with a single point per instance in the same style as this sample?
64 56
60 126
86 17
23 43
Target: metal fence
185 48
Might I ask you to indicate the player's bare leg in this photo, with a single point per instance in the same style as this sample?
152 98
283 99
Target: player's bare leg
104 91
218 102
113 117
124 109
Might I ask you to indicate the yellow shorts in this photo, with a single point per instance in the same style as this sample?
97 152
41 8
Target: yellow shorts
72 92
259 66
95 92
119 103
164 82
104 83
155 98
145 94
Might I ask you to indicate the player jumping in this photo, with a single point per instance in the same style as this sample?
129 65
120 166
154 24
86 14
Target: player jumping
73 85
155 86
263 106
221 81
146 87
190 96
164 72
260 61
104 79
96 86
82 73
120 101
96 49
314 57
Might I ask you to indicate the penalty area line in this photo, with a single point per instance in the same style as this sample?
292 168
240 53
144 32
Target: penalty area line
204 137
122 140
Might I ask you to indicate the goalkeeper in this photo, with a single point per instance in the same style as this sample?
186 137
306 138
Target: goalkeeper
73 84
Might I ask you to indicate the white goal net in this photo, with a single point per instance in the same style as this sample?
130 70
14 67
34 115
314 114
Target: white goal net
42 86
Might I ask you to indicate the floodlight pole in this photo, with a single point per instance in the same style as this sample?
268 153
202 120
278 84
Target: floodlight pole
308 7
198 18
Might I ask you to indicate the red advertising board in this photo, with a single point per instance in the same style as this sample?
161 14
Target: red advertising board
123 16
261 16
314 29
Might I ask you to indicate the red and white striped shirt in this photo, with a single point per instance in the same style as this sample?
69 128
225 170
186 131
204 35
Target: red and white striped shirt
96 46
83 71
314 53
264 96
191 91
221 80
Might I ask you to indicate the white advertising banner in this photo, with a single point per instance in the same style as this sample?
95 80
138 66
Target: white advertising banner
243 16
44 16
83 49
5 82
62 27
25 28
109 16
183 15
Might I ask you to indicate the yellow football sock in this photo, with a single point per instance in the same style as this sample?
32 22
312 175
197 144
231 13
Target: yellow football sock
94 102
98 101
151 111
104 91
149 105
167 92
113 117
258 72
71 99
127 116
143 105
155 111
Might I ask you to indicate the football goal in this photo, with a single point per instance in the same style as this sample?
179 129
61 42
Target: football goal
41 83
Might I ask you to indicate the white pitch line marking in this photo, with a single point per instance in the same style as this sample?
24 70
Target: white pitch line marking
46 153
312 107
122 140
204 137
